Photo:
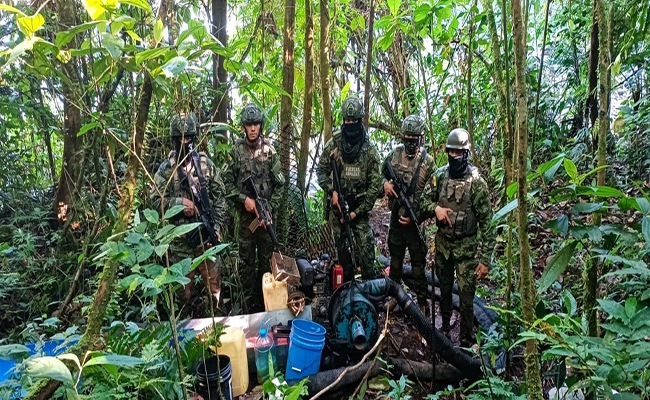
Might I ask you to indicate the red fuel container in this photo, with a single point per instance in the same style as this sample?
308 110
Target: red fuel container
337 276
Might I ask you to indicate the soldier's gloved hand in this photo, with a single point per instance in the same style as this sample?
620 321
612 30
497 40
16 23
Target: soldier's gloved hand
190 208
249 205
481 271
442 214
404 220
335 200
389 189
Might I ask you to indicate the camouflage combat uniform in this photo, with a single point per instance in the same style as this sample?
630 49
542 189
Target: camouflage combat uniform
402 236
168 183
263 163
465 244
361 185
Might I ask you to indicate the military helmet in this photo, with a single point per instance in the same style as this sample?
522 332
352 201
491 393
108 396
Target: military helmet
183 124
251 114
352 108
458 139
413 125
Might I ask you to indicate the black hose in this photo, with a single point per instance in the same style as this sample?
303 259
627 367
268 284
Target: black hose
470 367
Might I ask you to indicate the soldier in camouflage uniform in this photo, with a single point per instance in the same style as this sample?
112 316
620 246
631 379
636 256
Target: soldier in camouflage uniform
459 198
413 167
358 162
178 182
253 156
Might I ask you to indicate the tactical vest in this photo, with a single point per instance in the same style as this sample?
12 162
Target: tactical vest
353 175
178 189
404 167
255 162
456 194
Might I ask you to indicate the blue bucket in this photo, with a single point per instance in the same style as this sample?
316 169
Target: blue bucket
307 340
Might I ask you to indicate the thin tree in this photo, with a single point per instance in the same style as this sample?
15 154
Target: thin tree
309 97
220 100
366 97
326 99
71 115
527 283
286 104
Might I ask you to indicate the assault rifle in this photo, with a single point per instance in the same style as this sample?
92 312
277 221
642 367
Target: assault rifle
403 200
345 212
202 203
264 215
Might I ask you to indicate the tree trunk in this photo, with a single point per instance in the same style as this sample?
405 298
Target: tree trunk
539 83
221 100
592 105
325 69
286 105
528 294
45 125
71 117
309 97
593 267
470 117
366 97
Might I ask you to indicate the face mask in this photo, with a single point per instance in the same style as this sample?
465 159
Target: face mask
353 133
183 149
457 166
411 146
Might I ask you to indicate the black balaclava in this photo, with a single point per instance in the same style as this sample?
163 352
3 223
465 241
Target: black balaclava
183 149
458 165
411 146
353 138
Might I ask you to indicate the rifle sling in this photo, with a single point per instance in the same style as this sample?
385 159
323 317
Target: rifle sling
416 175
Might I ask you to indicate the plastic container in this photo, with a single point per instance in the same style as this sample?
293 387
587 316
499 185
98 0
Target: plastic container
275 293
233 345
265 360
307 340
337 276
210 378
281 341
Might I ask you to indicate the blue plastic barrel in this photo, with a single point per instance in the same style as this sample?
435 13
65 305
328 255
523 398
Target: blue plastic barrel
307 340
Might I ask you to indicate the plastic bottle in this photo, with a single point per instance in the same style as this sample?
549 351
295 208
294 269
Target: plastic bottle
265 361
337 276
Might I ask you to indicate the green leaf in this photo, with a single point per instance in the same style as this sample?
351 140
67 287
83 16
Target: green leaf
443 12
161 249
87 127
64 37
151 216
29 25
13 351
645 229
630 306
49 367
632 263
387 39
158 30
625 396
14 10
19 50
582 177
556 266
94 8
644 205
614 309
149 54
393 6
592 233
586 208
175 66
505 210
600 191
113 45
172 212
134 36
616 66
422 12
143 4
559 225
117 360
164 231
571 170
185 228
